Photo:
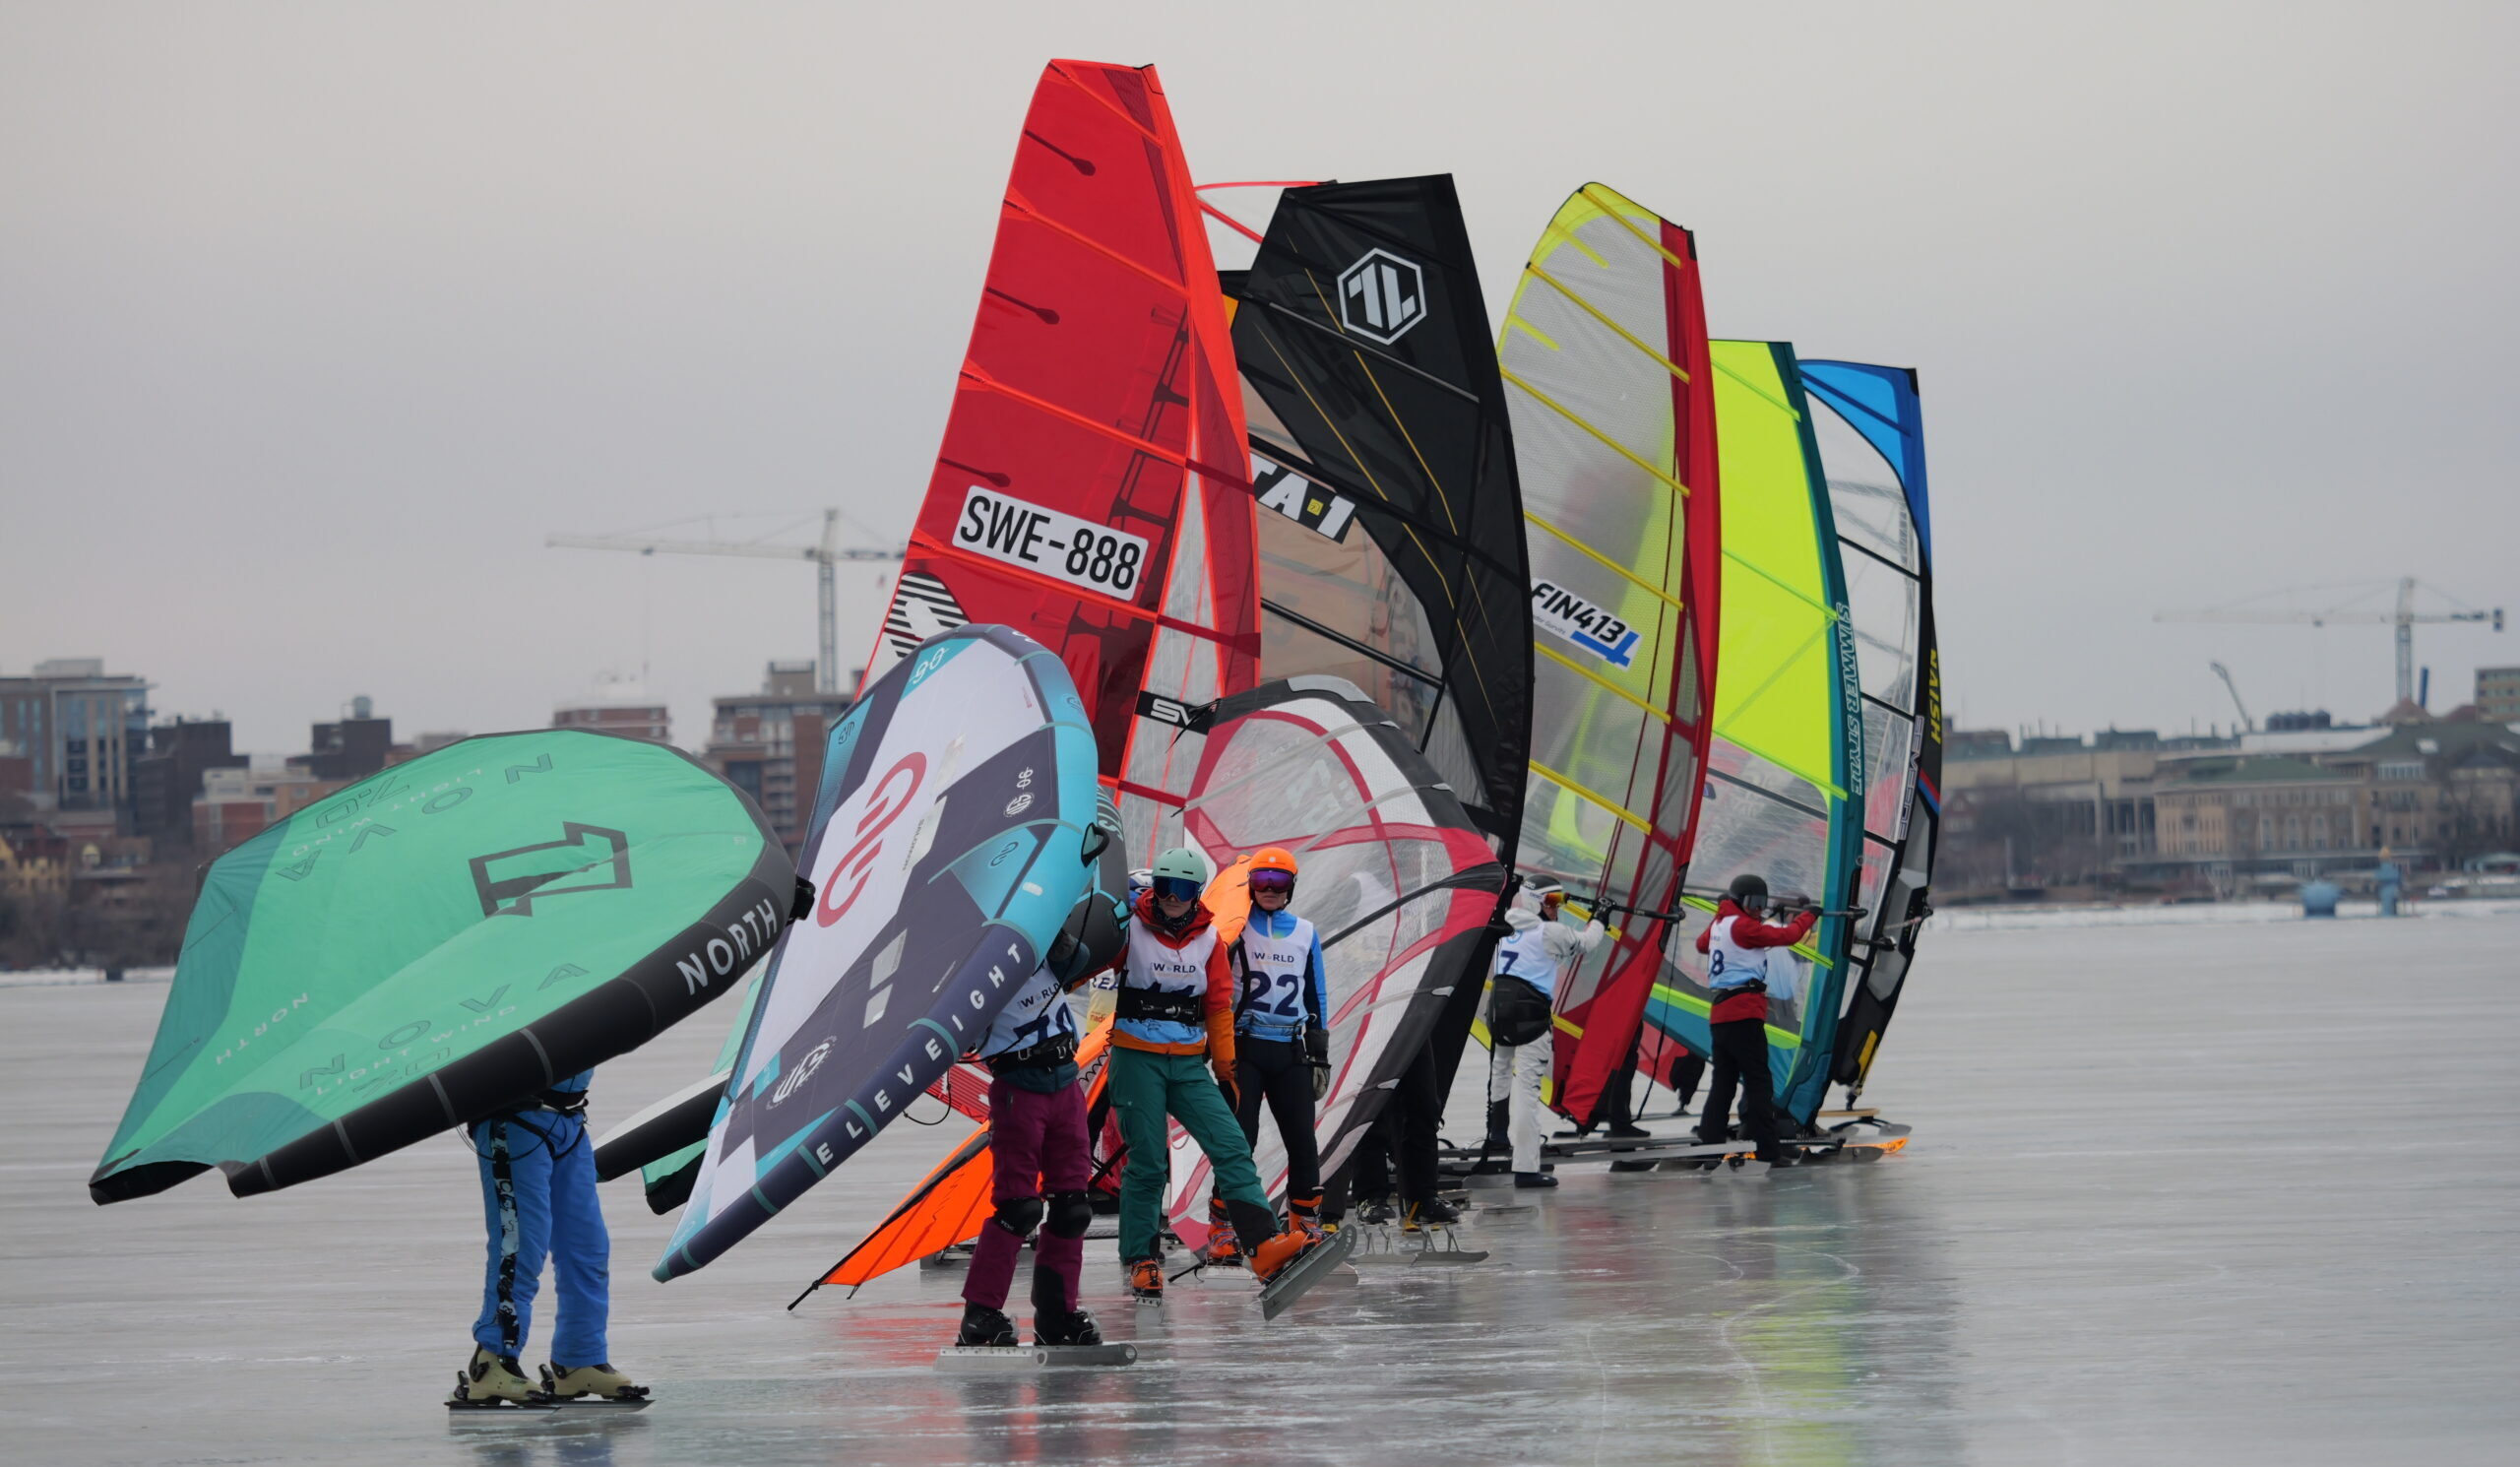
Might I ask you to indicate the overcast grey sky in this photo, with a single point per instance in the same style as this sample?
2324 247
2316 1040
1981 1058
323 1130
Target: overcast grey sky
315 319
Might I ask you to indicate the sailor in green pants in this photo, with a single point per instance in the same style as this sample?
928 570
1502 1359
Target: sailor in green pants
1173 1027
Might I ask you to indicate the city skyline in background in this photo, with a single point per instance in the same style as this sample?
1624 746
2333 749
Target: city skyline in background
312 329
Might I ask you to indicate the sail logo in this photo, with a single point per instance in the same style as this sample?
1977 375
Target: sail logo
1571 618
1381 297
811 1062
924 606
510 882
1172 712
1290 494
891 797
1048 542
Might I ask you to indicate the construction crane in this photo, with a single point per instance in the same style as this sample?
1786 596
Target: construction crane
2351 612
2248 726
826 557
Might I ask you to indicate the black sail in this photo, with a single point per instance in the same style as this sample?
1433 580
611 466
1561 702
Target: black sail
1391 541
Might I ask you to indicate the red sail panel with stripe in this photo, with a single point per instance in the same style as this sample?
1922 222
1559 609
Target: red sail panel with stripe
1091 490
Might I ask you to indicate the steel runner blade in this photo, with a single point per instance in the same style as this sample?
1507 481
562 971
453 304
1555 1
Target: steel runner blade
1306 1271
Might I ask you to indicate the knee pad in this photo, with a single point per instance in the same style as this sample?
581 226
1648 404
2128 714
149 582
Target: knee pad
1070 1214
1020 1215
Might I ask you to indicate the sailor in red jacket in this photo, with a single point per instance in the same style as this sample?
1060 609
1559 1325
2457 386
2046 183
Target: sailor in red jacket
1740 974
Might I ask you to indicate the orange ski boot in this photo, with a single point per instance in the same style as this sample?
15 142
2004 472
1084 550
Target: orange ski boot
1145 1281
1224 1250
1306 1213
1273 1255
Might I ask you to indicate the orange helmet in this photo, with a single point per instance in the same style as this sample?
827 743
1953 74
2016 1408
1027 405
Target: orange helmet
1274 859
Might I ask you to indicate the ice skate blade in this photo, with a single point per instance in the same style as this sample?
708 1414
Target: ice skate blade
1298 1277
994 1360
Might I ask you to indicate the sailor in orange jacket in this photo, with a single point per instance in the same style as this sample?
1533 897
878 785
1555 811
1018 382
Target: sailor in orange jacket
1174 1024
1742 974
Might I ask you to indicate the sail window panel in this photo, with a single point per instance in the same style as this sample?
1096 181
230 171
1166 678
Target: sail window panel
1566 836
1882 614
1870 508
1889 751
1590 374
1447 747
1607 267
1290 649
1759 819
1594 739
1350 587
1270 784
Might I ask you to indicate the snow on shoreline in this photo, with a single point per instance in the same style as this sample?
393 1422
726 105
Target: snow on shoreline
66 978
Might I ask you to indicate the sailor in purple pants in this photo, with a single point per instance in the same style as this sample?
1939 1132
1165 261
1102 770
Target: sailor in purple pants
1038 1155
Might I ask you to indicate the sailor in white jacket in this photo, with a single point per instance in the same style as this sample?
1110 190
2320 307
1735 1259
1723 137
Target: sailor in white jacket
1542 949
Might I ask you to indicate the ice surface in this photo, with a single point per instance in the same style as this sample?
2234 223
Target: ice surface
2221 1193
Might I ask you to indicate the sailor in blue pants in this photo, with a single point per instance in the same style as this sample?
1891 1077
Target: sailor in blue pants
537 1196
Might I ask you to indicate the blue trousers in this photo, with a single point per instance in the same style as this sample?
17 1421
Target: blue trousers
538 1193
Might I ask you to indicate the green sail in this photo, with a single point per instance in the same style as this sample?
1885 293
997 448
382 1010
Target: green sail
437 943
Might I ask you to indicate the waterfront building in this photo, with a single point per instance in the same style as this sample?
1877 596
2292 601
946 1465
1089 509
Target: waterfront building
770 744
80 729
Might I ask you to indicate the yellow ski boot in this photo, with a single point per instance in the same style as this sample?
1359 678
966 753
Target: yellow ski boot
600 1382
490 1379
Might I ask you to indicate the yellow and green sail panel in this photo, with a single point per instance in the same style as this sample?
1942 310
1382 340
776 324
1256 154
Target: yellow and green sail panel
1607 374
1784 793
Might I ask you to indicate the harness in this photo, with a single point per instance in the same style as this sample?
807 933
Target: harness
1044 1055
1161 1003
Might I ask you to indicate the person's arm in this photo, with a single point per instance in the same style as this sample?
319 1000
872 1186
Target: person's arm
1221 1016
1750 932
1316 986
1705 933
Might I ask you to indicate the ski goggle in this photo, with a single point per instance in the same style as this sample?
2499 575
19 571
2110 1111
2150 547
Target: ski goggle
1281 882
1176 888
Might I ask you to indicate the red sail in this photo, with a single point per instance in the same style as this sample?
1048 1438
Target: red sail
1092 490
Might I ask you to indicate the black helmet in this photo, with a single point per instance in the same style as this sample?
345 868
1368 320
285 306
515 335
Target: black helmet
1748 891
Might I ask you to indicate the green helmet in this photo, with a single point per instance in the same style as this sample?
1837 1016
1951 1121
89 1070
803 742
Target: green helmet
1181 863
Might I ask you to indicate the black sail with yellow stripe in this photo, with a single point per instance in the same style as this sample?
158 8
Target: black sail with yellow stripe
1391 544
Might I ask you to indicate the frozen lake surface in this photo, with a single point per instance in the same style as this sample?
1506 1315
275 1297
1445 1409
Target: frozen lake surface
2207 1194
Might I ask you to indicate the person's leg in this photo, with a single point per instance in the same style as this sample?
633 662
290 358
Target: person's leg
581 1249
1250 1080
1369 1167
1195 1101
1068 1161
1713 1118
1501 1089
1015 1119
1417 1116
1686 1074
1758 1108
516 1195
1138 1085
1530 1067
1287 1077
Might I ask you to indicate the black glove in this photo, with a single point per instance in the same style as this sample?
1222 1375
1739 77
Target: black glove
1316 1047
803 906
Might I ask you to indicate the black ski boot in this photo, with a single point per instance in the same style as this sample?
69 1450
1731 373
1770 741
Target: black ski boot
1374 1212
1434 1212
982 1326
1497 1121
1053 1322
1067 1328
